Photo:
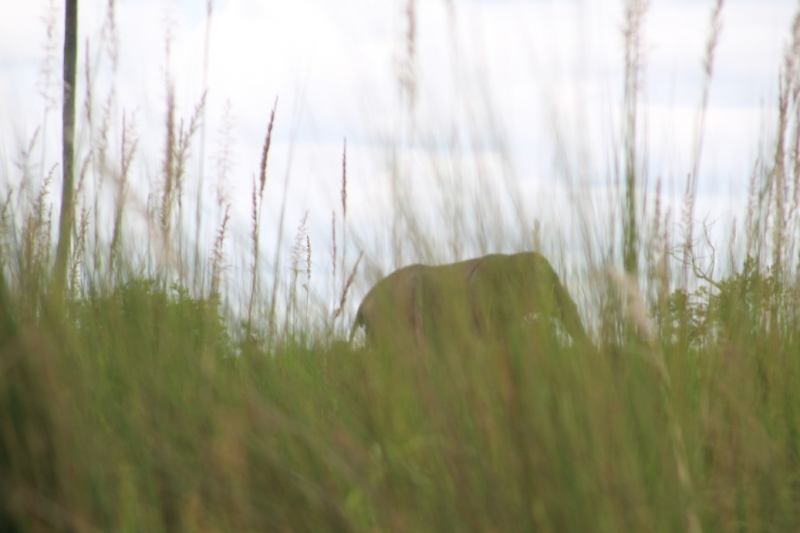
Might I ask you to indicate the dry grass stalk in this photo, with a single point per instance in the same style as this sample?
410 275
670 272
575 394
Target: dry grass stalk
78 252
753 218
407 75
97 159
333 254
635 11
100 144
6 227
301 253
346 288
786 188
699 133
23 163
344 213
258 202
655 250
218 255
265 151
223 159
665 255
47 84
176 156
201 163
223 165
308 261
34 256
109 34
254 238
777 179
792 74
185 136
88 102
167 168
129 144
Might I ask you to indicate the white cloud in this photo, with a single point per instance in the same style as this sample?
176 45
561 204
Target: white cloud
531 68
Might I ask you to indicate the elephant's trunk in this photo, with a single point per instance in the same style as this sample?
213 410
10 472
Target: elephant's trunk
358 322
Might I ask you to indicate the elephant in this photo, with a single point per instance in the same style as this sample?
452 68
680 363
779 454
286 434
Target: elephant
489 297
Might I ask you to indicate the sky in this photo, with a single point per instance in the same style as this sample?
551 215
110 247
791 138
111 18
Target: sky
513 100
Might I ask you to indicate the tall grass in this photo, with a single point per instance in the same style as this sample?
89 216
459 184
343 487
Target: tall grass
145 399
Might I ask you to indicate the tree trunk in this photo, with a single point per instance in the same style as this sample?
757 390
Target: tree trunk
68 136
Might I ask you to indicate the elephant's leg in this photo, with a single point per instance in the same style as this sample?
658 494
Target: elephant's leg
568 313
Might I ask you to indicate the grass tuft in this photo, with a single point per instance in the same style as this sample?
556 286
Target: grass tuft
149 397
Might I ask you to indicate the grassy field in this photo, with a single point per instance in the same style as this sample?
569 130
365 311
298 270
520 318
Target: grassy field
136 399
